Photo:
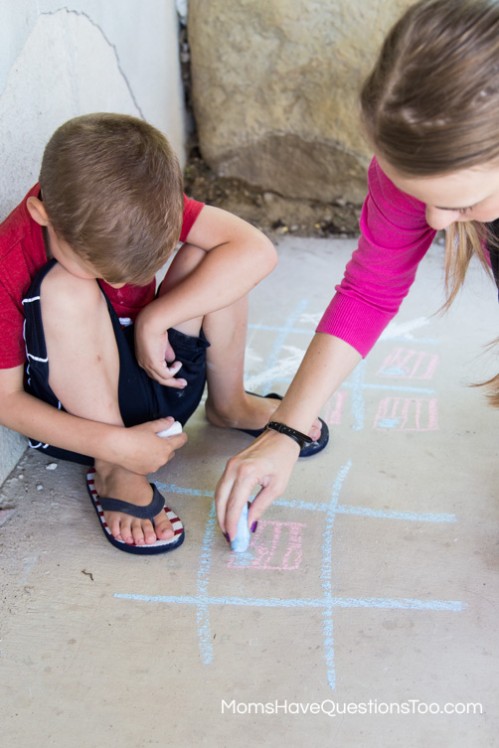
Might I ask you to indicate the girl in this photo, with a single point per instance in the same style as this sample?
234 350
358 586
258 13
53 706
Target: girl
431 112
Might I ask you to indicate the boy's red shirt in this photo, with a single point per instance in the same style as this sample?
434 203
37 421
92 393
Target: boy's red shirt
23 253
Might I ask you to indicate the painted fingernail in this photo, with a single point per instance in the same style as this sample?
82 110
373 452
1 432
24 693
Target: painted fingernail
227 537
254 526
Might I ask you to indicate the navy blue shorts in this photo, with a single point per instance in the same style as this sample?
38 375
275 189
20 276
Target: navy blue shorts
141 398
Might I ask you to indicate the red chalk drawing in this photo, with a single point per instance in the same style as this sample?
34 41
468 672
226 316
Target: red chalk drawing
407 414
404 363
275 546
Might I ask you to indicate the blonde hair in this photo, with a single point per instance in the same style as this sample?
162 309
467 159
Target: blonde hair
431 107
112 188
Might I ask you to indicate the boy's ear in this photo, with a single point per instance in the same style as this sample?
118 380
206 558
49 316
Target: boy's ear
37 211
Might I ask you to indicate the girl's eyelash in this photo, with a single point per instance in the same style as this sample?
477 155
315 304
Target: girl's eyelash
464 211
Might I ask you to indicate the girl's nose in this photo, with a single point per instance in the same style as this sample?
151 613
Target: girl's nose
440 219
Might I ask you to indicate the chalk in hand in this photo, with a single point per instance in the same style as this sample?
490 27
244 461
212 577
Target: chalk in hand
174 368
175 428
242 539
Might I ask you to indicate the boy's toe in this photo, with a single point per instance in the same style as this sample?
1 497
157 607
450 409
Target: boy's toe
116 529
148 533
123 529
137 532
162 525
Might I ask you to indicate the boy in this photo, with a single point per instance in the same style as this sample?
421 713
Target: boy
78 259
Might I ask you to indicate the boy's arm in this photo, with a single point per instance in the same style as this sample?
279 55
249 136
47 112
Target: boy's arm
137 449
238 256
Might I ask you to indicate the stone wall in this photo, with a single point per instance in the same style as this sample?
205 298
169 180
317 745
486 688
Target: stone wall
275 89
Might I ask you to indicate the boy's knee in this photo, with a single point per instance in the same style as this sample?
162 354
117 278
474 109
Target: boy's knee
185 261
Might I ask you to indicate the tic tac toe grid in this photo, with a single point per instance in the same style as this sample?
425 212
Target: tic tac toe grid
405 401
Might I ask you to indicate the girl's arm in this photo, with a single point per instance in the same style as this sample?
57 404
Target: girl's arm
394 238
269 460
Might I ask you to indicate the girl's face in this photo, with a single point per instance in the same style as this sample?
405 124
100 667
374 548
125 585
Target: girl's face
467 195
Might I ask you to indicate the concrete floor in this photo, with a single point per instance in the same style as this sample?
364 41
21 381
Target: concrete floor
370 588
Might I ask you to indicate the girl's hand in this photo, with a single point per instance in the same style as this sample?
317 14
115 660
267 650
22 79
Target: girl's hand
268 463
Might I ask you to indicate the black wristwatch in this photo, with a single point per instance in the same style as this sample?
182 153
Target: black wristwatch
301 439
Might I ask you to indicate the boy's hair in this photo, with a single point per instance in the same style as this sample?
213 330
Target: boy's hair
431 106
112 188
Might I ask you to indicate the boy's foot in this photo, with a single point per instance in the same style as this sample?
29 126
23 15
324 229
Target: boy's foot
251 413
134 489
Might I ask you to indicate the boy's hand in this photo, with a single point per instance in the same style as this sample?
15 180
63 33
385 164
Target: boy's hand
155 354
140 449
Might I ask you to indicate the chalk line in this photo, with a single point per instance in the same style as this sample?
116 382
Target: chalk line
356 382
404 329
327 572
203 578
327 603
308 506
391 603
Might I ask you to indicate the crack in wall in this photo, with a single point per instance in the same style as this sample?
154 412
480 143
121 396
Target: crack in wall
109 43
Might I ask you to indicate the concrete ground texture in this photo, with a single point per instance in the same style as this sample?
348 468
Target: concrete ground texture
363 613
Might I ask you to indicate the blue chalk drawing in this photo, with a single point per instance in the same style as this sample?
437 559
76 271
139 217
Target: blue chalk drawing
393 371
358 404
388 423
202 601
326 577
282 333
203 577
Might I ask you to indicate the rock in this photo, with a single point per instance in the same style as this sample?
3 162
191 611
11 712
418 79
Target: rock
275 91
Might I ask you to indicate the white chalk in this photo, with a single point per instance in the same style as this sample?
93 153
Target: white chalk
240 543
175 428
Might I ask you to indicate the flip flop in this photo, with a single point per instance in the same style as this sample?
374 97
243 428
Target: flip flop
143 512
309 449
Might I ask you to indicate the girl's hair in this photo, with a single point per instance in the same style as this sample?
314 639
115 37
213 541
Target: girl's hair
431 107
112 188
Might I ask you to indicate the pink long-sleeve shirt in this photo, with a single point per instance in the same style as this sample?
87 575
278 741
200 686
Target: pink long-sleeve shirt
394 239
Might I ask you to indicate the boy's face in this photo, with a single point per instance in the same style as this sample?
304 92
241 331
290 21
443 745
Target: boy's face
71 261
61 250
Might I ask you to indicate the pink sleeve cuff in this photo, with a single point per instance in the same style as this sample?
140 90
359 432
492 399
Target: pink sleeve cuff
356 323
